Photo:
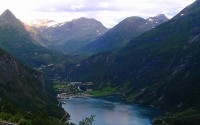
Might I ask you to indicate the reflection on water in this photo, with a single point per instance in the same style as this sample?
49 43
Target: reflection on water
110 110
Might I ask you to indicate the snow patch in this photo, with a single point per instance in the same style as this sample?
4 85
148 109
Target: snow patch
50 65
51 24
61 24
151 20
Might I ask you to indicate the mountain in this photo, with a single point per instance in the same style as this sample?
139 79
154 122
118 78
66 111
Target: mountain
24 87
70 36
16 40
161 62
93 68
19 83
121 34
158 68
7 18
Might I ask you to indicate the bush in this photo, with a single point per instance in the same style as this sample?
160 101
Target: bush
24 122
15 118
87 121
5 116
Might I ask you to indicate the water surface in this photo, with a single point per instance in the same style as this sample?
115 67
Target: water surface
110 110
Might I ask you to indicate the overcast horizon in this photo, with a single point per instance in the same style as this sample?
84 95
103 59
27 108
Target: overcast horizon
109 12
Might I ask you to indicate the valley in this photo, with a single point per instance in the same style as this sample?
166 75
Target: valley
151 64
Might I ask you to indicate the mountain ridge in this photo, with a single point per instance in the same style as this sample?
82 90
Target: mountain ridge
7 17
69 36
117 37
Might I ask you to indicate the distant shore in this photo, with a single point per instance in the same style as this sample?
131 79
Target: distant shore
80 96
63 96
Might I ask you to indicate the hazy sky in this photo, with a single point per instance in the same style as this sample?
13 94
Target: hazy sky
109 12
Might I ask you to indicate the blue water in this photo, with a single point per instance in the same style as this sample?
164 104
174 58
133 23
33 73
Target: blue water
110 110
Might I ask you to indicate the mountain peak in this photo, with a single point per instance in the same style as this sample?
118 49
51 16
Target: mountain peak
161 16
7 15
131 20
84 19
8 18
134 18
7 11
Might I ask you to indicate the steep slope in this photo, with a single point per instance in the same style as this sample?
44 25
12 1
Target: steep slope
20 85
15 39
92 69
160 67
70 36
166 59
36 36
121 34
36 28
24 89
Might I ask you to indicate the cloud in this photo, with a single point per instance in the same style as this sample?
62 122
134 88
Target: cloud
109 12
79 5
111 5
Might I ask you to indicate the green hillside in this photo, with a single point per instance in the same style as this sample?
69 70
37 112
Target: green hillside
25 89
158 68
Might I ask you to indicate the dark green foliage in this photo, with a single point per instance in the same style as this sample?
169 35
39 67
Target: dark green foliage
87 121
188 117
103 91
164 62
5 117
25 87
91 68
12 114
24 122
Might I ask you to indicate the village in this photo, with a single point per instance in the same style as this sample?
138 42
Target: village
73 90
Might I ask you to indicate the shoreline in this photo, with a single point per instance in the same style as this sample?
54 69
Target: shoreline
80 96
119 97
123 98
73 96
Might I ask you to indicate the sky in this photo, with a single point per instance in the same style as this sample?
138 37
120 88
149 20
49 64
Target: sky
109 12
